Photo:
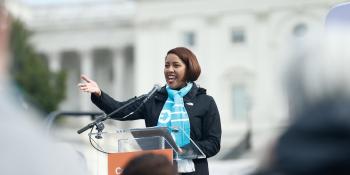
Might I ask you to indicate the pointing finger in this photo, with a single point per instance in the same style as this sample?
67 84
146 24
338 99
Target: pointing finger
85 78
81 84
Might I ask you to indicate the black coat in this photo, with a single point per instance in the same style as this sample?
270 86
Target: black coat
201 108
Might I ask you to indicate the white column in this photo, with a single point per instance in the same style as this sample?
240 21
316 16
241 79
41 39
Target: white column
119 73
86 67
54 60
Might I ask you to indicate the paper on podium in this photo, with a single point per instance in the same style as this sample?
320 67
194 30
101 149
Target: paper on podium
153 132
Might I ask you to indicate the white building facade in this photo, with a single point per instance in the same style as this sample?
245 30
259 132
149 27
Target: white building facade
241 46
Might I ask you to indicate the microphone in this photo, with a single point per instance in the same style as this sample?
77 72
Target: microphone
146 97
155 89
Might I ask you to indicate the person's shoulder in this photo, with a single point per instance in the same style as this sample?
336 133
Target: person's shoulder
202 92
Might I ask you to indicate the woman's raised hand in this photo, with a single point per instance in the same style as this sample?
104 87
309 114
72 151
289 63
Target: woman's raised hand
89 86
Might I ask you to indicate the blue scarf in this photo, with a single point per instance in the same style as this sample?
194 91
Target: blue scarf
174 115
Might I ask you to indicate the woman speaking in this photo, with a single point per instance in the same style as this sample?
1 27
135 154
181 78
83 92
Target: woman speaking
179 104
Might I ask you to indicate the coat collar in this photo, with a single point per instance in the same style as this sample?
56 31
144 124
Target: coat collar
162 95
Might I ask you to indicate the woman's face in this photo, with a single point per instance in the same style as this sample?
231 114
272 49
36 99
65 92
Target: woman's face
174 71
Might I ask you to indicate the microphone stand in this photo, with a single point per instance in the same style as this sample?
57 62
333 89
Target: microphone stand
98 122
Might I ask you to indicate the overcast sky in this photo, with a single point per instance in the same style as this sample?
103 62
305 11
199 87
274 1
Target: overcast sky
38 2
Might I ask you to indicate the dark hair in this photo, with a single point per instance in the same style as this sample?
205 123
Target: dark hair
187 56
150 164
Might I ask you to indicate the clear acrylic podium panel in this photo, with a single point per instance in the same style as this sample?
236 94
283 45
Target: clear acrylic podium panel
140 139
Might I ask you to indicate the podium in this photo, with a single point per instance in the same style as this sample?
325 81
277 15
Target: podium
124 144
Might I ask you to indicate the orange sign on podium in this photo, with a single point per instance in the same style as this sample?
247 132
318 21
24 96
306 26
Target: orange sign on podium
117 161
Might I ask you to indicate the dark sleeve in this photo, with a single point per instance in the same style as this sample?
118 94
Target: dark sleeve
107 104
210 145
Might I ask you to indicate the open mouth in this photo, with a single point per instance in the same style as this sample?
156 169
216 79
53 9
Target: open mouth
171 78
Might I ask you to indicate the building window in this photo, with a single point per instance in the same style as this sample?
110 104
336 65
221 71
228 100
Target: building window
240 102
44 59
238 36
189 38
300 30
